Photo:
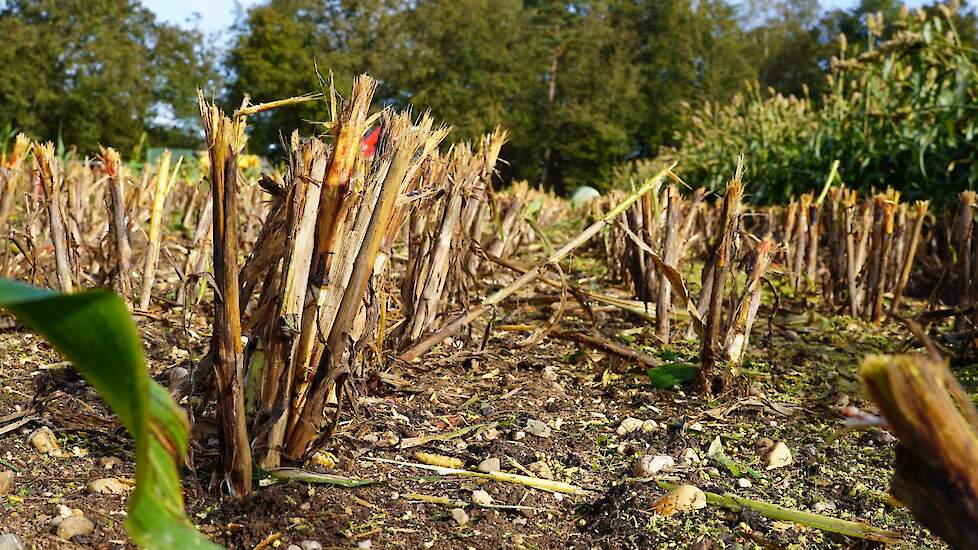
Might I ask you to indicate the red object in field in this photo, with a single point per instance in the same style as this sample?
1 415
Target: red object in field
370 142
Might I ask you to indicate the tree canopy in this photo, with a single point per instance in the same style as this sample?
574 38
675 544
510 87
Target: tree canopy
582 85
98 71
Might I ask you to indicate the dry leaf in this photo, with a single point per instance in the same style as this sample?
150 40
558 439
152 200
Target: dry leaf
778 456
6 481
684 498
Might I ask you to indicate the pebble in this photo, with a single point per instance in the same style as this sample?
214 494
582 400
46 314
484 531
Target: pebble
764 443
541 469
823 506
538 428
489 465
649 426
879 437
365 544
689 456
294 547
76 525
44 442
460 517
629 425
10 541
107 485
311 545
109 462
743 483
177 376
550 374
520 434
648 466
481 498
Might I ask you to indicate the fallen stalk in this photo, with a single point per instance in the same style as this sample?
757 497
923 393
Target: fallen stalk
808 519
452 327
613 347
535 482
296 474
620 303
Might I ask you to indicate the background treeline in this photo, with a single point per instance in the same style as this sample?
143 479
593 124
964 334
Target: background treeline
582 86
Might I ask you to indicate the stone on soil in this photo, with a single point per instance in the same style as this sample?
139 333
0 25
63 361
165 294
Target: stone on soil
489 465
778 457
538 428
460 517
541 469
76 525
629 425
6 481
684 498
44 442
481 498
108 485
10 541
648 466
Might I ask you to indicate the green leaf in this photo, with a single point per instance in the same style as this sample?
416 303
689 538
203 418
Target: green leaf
96 333
669 375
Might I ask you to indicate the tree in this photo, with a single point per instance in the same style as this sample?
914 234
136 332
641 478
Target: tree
685 51
593 97
96 71
280 44
790 45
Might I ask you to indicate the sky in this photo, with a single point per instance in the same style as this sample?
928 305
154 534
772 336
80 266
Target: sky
211 16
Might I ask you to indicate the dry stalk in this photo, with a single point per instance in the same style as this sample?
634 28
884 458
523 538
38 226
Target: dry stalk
49 170
164 183
671 252
724 252
920 208
403 149
118 225
936 423
225 140
962 238
452 327
11 171
735 343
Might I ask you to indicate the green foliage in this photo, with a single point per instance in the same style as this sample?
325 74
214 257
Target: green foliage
897 112
580 85
96 333
98 71
669 375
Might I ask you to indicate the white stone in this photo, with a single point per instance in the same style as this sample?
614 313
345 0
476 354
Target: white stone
481 498
489 465
629 425
460 517
648 466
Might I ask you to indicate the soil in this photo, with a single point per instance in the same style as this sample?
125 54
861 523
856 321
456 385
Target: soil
801 370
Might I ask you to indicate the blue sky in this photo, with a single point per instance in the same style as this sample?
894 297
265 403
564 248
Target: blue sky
208 15
212 16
